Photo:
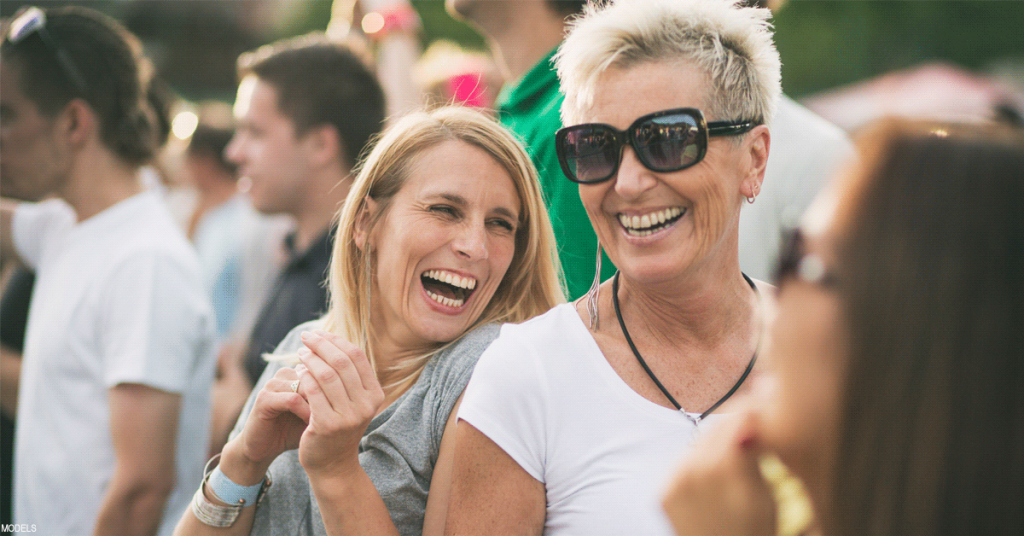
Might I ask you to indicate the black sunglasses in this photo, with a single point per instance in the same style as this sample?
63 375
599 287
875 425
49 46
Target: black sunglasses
33 21
669 140
795 263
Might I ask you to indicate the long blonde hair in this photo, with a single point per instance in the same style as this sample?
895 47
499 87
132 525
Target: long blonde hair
531 286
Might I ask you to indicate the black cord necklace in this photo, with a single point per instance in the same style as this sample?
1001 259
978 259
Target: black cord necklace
695 420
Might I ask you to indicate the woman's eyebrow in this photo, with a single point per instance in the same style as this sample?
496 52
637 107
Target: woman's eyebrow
457 199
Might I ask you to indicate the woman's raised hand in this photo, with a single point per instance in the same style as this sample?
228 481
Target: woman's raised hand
275 424
719 489
343 394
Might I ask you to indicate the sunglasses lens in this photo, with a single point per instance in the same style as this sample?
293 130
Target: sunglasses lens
669 142
590 153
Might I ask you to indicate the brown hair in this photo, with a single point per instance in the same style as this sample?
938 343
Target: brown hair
321 82
931 429
115 74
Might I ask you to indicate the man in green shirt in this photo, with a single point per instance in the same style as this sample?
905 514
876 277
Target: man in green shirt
524 35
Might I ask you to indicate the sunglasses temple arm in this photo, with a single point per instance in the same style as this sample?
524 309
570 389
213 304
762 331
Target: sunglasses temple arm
726 128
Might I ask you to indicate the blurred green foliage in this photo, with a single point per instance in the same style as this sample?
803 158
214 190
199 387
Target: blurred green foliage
828 43
823 43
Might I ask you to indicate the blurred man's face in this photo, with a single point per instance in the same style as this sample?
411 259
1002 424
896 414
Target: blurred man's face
33 159
475 10
457 8
268 152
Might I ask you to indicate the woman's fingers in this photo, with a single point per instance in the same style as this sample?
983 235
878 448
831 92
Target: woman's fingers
345 363
317 400
324 379
277 396
718 487
367 376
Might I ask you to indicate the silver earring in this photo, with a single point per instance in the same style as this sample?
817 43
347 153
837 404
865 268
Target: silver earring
594 294
369 292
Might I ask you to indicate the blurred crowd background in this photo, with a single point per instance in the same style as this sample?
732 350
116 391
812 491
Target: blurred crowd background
848 60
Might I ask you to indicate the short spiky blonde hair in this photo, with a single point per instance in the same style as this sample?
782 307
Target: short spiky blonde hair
731 44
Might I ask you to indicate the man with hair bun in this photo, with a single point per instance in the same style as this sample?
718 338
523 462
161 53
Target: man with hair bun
113 406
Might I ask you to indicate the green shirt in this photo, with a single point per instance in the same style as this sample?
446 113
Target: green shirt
530 109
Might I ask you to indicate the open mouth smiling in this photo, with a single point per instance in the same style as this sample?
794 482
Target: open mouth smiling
652 222
448 288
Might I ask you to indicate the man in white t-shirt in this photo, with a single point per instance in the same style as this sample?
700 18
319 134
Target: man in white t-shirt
113 401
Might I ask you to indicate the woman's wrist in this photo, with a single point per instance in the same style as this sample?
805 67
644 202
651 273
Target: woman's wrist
241 468
338 480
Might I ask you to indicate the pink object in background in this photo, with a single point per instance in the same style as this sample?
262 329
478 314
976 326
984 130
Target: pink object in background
929 91
468 89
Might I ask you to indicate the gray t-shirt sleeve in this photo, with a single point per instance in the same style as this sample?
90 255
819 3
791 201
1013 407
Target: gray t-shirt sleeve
451 375
401 445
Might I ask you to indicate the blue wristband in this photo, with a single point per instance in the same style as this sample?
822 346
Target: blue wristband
230 493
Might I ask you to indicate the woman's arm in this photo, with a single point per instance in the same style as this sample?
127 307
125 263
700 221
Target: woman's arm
275 425
441 479
344 395
490 492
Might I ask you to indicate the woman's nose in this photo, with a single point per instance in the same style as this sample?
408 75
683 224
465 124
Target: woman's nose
471 242
632 178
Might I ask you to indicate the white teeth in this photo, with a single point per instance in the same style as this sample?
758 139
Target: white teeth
445 301
452 279
636 224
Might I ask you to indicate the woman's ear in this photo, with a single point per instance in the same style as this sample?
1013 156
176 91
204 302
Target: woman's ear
758 144
367 212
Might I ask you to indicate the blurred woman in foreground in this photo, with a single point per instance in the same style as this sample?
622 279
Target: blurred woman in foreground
898 352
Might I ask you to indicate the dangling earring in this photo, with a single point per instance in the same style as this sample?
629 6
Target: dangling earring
594 294
752 198
369 292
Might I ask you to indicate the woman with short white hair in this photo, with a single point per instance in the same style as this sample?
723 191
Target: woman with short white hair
572 420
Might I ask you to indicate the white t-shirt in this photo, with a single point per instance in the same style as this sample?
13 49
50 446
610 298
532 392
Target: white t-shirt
806 152
546 395
118 299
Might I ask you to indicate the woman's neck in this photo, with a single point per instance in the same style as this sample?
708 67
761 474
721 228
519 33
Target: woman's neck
700 309
389 354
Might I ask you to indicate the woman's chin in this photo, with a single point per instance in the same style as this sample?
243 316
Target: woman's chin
653 269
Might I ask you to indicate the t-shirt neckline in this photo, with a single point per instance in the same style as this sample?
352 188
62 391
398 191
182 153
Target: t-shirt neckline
612 378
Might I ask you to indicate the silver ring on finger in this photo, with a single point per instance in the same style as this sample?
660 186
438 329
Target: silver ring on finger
294 386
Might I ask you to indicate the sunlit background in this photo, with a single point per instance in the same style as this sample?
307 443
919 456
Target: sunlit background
848 60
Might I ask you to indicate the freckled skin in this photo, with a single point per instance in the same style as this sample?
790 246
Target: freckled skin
457 211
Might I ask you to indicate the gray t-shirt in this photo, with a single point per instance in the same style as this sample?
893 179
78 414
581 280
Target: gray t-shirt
398 450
